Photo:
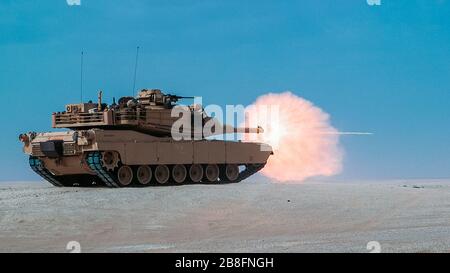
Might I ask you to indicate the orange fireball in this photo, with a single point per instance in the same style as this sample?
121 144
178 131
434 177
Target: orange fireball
304 142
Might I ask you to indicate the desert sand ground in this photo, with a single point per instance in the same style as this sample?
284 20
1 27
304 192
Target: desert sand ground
252 216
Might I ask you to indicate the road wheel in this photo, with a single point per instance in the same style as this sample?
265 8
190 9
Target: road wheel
125 175
196 172
232 172
179 173
212 172
162 174
144 174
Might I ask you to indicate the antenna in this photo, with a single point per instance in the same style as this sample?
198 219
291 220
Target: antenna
81 78
135 69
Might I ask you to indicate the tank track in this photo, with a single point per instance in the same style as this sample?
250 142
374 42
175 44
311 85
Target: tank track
94 161
84 180
37 166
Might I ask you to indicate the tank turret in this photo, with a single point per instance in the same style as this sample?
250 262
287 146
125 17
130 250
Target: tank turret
150 112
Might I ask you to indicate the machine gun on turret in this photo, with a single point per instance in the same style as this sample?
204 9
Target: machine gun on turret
175 98
156 97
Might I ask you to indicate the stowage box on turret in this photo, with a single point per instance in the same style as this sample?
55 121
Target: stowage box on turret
132 142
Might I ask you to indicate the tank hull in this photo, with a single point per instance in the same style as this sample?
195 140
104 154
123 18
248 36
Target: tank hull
109 157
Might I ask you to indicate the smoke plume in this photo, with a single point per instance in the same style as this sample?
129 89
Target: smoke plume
303 141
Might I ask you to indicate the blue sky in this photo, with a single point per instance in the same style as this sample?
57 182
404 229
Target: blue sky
384 69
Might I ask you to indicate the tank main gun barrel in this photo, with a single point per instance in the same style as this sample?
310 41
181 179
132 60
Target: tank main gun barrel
249 130
227 129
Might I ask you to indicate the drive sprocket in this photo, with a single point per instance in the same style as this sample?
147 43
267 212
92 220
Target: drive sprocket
110 160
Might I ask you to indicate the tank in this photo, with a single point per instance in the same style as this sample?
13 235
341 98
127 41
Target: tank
132 143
